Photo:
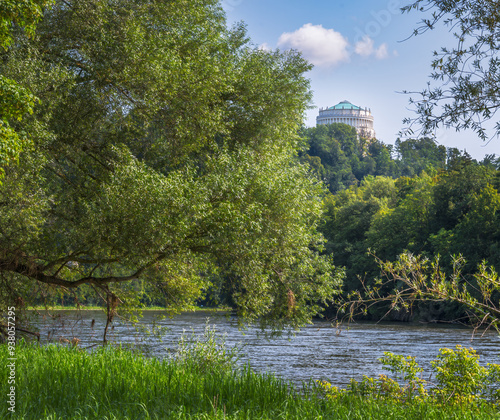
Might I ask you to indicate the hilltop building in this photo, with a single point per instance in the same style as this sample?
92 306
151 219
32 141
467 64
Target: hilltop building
347 113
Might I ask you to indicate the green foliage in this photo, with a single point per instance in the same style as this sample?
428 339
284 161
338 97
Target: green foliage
114 383
459 374
407 366
459 380
404 226
451 212
417 155
414 278
23 13
15 100
208 354
348 216
345 159
165 151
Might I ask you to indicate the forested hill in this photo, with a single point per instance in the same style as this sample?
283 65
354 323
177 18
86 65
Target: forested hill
416 196
341 160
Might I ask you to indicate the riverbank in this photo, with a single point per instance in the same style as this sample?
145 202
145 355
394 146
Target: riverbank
319 351
99 308
54 382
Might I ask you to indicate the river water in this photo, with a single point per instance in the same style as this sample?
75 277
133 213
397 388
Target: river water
318 351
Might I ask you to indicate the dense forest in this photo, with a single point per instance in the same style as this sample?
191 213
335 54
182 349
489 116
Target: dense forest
415 196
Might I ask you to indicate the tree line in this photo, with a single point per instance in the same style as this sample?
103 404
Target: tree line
416 196
341 159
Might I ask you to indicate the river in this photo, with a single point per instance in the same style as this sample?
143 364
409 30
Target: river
318 351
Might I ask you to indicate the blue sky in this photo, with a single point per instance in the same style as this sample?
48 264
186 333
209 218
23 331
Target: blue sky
363 52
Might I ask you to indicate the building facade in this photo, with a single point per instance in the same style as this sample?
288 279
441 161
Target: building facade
347 113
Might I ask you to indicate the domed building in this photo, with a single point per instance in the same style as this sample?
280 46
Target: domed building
347 113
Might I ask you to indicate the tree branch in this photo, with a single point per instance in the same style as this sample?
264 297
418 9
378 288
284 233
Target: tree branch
36 272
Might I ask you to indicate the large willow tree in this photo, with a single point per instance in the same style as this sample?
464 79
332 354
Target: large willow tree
163 149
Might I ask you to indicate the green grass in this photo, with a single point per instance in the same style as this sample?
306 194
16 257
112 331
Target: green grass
54 382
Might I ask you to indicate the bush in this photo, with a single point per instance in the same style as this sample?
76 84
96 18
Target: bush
460 380
208 354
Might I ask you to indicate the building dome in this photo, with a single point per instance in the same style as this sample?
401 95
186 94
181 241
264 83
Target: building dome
344 105
348 113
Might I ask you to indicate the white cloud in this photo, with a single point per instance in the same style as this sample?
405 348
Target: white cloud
381 52
321 46
327 48
364 47
265 46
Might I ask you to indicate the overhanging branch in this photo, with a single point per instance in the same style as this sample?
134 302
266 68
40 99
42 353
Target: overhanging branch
36 272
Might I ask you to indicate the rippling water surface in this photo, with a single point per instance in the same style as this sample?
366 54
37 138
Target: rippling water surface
319 351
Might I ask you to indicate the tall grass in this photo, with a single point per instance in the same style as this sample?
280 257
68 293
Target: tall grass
55 382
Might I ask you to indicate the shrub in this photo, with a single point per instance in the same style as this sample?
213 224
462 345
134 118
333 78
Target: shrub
208 353
460 380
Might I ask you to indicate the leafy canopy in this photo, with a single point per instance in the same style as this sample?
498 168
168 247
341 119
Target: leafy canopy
164 149
15 100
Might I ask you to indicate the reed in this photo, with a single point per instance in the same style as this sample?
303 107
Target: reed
56 382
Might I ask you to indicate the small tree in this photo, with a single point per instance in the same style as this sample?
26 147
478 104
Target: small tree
416 278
